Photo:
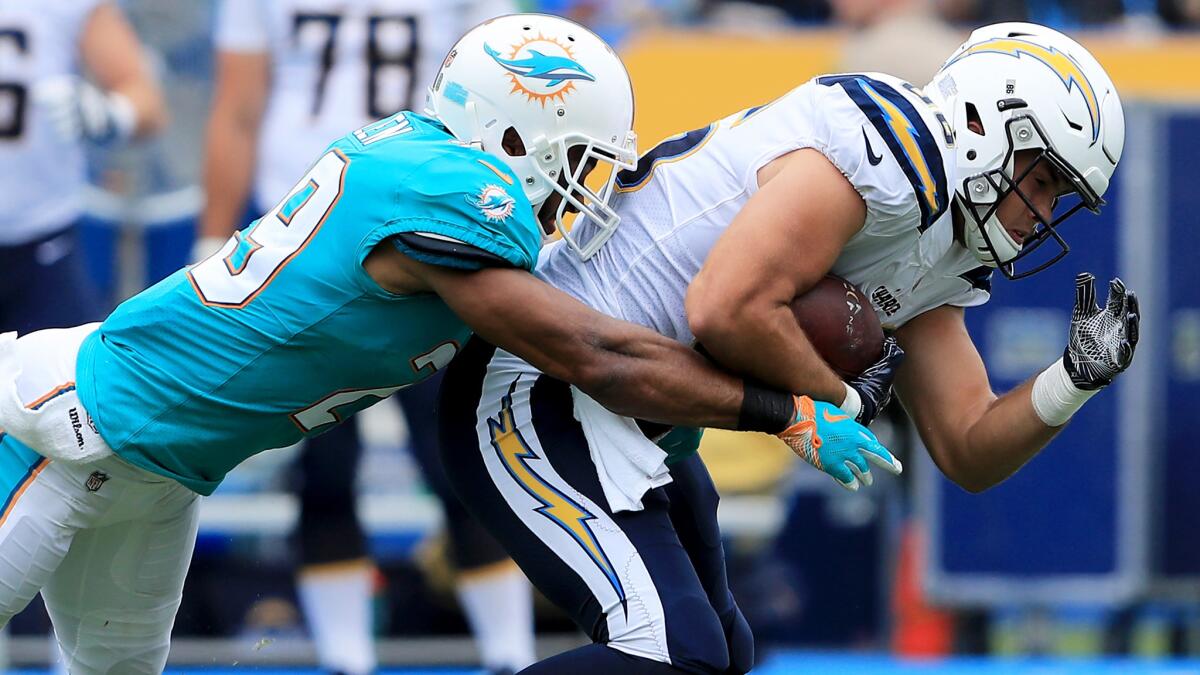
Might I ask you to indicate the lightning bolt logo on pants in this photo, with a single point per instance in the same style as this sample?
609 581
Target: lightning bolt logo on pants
514 453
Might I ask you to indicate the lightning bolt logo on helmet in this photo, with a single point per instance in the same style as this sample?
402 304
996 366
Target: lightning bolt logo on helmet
1065 67
541 68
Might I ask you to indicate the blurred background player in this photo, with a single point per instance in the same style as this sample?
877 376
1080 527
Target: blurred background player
143 198
48 111
292 76
905 38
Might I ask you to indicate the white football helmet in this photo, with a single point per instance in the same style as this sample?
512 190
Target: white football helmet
558 86
1030 88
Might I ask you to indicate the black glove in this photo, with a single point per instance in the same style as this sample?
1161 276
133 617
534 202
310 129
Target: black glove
1101 341
874 385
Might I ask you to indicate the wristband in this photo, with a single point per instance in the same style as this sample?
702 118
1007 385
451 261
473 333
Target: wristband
1055 396
766 410
122 115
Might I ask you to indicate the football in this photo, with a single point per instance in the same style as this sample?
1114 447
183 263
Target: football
841 324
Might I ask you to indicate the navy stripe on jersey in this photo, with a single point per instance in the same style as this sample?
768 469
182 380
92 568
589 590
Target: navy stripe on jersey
904 131
670 150
980 278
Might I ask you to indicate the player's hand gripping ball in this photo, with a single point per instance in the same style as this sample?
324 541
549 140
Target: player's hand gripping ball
842 326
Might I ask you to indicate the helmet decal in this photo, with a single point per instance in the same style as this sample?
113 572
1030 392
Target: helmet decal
541 68
1066 68
567 96
494 203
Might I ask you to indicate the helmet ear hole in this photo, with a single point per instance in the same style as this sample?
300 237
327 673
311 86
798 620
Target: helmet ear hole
974 121
512 143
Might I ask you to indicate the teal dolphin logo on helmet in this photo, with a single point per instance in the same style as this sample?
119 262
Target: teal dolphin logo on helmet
540 66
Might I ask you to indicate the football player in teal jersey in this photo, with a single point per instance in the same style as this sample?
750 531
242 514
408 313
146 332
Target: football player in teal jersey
402 238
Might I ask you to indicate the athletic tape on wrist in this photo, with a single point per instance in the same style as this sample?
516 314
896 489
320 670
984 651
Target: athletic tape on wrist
1055 396
852 405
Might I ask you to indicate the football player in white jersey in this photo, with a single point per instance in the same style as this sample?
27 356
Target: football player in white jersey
47 112
914 195
292 76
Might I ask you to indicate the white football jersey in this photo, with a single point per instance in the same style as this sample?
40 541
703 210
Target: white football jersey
879 131
337 65
41 173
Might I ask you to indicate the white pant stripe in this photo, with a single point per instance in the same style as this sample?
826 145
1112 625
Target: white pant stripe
576 529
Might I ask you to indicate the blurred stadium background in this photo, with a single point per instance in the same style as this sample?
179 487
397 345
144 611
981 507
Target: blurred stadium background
1087 561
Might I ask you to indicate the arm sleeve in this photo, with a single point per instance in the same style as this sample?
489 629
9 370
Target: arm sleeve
441 250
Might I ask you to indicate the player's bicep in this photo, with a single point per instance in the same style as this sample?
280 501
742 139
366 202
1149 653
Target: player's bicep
784 239
942 382
521 314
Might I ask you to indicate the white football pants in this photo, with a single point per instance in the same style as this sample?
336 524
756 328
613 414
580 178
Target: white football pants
106 543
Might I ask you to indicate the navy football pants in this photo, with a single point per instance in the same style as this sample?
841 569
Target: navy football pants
648 585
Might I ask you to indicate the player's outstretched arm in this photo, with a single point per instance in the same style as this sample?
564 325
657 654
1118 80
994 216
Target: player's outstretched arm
783 241
627 368
975 438
978 439
630 369
636 372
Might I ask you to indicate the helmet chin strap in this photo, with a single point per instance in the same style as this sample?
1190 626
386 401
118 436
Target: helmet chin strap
476 140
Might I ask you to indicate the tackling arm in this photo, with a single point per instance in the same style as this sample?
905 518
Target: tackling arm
976 438
628 369
632 370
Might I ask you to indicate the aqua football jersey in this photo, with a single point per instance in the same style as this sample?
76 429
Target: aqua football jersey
282 334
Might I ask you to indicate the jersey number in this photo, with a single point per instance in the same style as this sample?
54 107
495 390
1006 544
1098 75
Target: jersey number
391 58
339 405
248 262
13 95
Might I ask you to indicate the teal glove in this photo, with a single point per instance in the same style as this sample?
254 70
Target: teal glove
680 443
829 439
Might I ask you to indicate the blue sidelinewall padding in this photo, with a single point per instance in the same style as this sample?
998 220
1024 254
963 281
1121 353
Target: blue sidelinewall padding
1058 514
1180 551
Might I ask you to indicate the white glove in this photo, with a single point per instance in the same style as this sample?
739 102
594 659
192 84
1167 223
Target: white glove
81 111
